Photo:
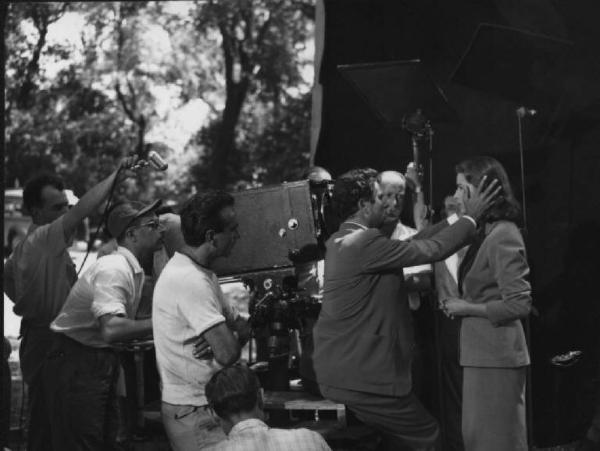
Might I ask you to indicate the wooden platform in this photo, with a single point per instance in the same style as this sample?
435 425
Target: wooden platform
300 400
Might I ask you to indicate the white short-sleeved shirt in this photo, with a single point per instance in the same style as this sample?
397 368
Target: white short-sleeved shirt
187 302
111 286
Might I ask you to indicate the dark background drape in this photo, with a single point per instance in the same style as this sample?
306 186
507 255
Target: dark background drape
562 160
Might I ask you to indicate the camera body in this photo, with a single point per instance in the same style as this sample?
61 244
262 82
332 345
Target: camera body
282 228
278 226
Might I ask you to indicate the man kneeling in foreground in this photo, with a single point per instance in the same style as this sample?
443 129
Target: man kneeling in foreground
235 395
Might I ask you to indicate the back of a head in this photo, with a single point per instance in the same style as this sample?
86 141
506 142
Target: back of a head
351 187
232 391
201 213
506 205
32 192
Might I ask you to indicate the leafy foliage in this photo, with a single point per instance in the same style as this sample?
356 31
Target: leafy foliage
238 58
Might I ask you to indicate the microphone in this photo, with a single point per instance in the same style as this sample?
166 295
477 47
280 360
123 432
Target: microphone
522 112
155 161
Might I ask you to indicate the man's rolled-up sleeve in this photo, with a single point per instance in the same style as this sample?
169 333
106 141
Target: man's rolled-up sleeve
111 291
204 310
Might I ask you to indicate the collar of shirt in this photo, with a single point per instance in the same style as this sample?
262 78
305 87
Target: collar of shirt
246 425
131 259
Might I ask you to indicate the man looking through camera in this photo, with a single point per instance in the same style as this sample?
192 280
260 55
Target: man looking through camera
196 332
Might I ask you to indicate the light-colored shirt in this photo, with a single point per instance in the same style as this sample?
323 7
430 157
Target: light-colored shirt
254 435
187 302
402 233
39 273
111 286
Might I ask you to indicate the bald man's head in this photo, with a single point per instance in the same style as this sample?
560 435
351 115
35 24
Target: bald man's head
392 177
393 185
317 174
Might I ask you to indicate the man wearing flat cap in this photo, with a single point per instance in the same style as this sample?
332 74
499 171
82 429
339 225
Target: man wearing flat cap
82 368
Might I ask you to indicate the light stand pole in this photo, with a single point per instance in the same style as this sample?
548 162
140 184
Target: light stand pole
521 113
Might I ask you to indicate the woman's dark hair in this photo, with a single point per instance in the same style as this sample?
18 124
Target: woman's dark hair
351 187
32 193
232 390
202 213
506 207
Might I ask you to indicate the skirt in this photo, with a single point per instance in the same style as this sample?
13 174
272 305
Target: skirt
493 411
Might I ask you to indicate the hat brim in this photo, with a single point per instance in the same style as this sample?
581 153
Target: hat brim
144 211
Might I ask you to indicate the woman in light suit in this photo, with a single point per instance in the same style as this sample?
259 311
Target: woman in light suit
495 295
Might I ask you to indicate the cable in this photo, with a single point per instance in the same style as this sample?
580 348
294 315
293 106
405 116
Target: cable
92 239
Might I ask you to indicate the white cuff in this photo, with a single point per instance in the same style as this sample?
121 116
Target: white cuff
454 217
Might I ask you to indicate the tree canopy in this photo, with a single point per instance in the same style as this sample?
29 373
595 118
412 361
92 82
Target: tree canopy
221 89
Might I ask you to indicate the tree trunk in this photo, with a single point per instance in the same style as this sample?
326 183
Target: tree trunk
24 100
141 132
236 94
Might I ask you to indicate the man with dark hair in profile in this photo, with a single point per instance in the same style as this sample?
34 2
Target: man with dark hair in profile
39 275
235 395
361 357
196 331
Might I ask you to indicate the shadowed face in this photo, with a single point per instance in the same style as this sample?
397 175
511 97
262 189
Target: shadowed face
375 210
463 190
148 232
393 193
225 240
54 205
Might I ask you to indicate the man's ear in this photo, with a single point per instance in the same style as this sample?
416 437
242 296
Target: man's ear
34 212
362 204
209 236
261 398
130 233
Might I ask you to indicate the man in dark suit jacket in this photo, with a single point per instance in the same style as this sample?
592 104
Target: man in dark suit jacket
362 358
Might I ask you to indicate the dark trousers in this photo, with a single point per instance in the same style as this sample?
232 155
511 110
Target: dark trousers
451 382
81 384
402 420
5 399
35 344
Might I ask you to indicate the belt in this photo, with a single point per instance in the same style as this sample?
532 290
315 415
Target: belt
30 325
61 341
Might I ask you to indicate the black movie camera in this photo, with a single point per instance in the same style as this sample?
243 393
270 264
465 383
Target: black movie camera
283 229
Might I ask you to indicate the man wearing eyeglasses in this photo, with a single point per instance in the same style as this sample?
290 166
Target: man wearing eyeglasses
82 368
39 274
